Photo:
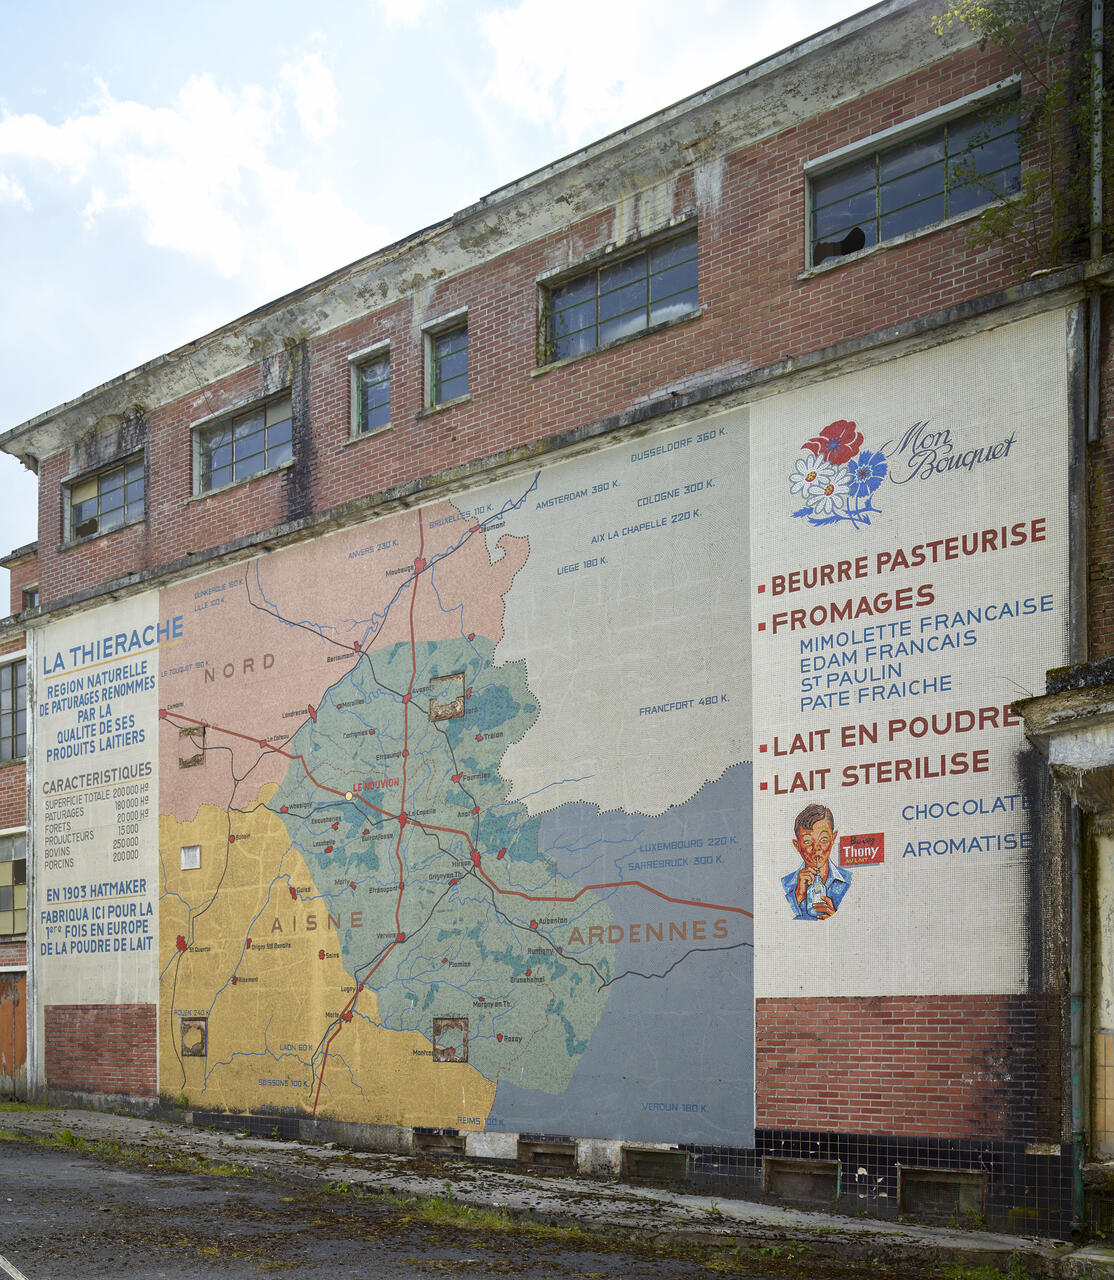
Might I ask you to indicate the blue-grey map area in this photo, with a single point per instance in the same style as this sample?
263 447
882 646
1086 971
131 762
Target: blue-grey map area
673 1058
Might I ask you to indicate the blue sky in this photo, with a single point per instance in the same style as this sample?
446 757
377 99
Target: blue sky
164 169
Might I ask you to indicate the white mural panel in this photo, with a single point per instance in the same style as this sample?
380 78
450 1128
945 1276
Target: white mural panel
96 804
909 563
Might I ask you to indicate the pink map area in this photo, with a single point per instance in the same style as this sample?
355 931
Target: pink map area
264 639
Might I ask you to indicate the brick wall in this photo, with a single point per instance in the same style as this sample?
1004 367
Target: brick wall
981 1067
101 1048
23 573
756 311
13 794
13 953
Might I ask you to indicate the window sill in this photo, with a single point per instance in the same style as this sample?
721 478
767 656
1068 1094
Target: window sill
832 264
368 435
687 318
239 484
10 764
431 409
101 533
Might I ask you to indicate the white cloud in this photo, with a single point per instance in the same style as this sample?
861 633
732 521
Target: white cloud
11 192
403 13
316 98
585 68
210 175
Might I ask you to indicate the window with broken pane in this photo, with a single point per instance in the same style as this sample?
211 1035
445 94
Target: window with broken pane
107 500
951 169
246 444
619 298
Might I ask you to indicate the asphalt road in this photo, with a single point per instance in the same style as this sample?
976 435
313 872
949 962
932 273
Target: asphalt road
65 1214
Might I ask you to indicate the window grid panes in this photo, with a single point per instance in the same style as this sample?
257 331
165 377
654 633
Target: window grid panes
246 444
13 710
957 167
374 392
107 500
621 298
13 884
449 364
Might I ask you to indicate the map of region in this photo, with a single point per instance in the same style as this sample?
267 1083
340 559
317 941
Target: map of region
358 917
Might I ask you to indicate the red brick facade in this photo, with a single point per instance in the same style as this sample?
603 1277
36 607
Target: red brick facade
756 310
102 1048
23 572
979 1067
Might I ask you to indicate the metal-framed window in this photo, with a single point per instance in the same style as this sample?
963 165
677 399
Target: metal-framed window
371 391
448 362
107 500
929 175
30 597
13 883
245 444
620 297
13 710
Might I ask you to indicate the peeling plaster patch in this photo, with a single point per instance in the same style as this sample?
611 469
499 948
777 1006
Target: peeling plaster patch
275 371
708 180
115 436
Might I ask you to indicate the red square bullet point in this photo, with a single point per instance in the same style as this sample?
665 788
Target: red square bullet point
763 747
761 587
762 786
761 626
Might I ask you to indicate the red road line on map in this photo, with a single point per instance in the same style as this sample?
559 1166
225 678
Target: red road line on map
233 733
614 884
402 810
340 1022
457 831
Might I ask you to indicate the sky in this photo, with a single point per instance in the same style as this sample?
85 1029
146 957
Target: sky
167 168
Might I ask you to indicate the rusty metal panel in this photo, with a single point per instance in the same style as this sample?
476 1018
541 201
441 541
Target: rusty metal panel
13 1032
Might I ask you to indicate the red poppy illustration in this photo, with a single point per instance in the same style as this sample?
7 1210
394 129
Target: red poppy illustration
833 490
838 443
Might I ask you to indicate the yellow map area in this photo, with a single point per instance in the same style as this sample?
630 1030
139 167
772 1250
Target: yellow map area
254 1020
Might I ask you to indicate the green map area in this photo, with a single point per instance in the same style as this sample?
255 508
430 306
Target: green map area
450 913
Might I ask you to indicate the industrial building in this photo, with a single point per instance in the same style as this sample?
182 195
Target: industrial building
571 686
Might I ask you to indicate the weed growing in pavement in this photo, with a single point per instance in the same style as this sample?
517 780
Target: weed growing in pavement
1016 1270
122 1153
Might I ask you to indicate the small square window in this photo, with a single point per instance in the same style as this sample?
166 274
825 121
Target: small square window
30 597
371 392
245 444
107 500
190 857
448 363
